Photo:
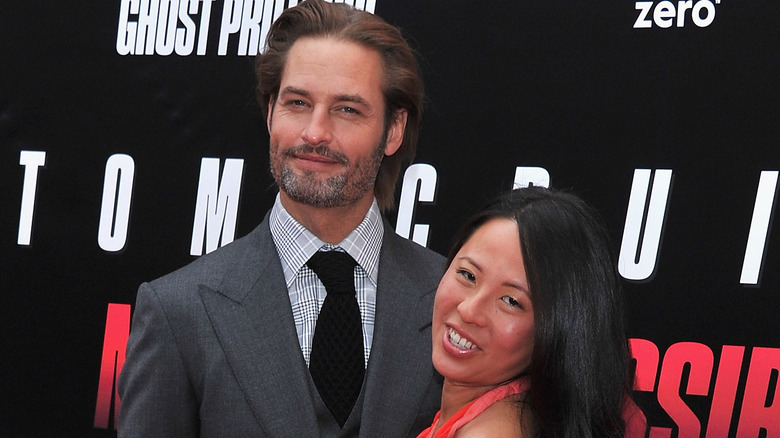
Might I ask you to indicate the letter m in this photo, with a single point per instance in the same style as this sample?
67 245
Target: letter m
216 209
114 345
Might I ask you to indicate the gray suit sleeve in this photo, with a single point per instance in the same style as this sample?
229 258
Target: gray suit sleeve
156 396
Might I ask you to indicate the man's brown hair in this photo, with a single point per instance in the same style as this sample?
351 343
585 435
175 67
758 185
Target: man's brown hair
403 87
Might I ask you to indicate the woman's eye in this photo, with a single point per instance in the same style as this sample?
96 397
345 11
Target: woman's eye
511 301
467 275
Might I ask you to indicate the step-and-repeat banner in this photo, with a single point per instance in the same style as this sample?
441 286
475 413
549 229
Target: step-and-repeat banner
131 143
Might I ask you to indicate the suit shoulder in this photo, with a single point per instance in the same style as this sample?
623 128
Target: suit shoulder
420 265
417 253
210 269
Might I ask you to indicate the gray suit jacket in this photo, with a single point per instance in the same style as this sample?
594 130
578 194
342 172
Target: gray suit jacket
213 350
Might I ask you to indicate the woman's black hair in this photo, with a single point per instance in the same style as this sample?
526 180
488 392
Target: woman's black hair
580 373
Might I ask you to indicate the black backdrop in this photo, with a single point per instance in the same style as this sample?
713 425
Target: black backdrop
590 93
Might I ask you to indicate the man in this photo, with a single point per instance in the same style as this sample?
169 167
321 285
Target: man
225 347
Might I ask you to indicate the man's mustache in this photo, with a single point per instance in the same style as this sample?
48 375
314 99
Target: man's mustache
322 151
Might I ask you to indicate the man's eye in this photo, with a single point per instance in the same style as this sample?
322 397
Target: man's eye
294 103
349 110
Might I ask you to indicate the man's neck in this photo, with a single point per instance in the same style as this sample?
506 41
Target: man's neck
331 225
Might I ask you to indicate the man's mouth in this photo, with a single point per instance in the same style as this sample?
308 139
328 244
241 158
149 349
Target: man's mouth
321 154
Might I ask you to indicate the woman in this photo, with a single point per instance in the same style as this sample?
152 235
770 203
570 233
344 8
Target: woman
528 326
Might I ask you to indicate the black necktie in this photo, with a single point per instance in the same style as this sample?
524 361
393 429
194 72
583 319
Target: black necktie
336 363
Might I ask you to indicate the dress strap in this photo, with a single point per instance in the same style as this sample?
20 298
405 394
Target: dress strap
473 408
484 401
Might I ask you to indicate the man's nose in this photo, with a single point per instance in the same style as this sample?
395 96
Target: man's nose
318 130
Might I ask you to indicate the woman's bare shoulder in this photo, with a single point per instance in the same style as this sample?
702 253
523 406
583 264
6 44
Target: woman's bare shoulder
500 420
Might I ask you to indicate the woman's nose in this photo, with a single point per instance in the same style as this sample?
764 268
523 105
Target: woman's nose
474 309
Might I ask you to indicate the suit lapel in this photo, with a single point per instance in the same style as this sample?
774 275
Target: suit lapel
251 316
400 368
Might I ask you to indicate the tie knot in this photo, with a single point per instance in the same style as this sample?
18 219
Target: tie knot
335 270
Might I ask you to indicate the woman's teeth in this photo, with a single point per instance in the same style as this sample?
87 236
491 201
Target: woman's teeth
461 342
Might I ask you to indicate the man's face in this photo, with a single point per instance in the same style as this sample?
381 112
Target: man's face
327 123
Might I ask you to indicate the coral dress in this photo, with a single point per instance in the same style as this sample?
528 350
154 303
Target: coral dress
474 408
636 423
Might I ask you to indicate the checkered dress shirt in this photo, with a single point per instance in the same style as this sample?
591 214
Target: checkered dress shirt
295 245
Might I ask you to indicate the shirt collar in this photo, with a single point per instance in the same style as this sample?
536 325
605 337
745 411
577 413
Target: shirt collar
296 244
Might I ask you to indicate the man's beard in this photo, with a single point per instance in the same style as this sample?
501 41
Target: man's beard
339 190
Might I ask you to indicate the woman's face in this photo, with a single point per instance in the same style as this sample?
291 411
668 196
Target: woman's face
483 319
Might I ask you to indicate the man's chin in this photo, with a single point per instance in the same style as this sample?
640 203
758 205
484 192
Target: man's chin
318 198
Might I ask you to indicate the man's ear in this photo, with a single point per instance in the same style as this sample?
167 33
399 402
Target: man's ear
395 135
